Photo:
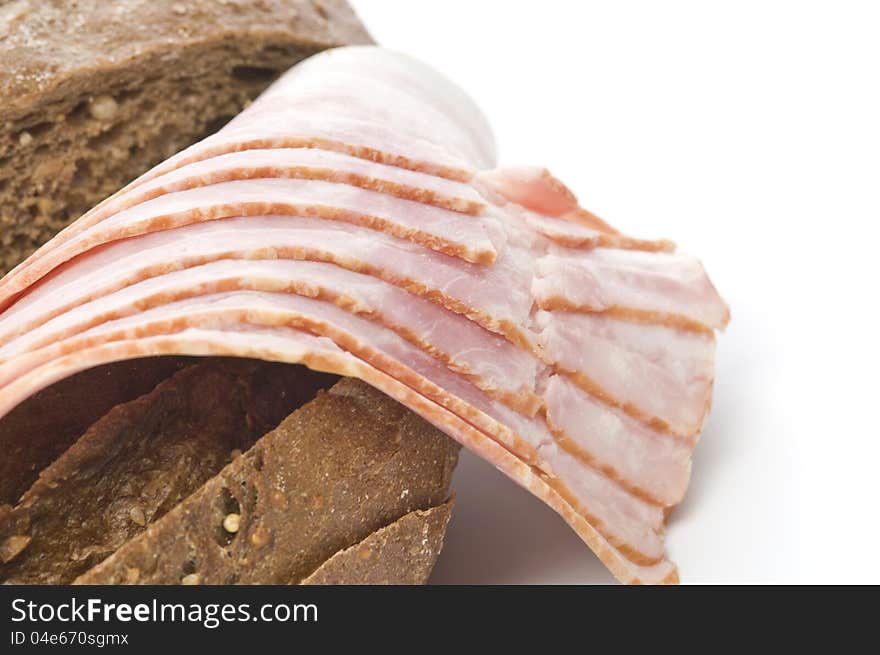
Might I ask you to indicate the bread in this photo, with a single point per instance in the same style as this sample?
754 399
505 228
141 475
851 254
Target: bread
338 469
95 93
40 429
403 553
142 459
144 494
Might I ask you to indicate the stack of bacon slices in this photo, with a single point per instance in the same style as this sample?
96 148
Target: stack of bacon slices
351 220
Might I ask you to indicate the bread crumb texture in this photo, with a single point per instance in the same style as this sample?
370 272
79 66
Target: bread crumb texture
91 99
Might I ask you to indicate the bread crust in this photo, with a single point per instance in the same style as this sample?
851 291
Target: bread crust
50 47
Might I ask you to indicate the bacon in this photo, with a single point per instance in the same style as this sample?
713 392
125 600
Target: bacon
496 296
350 220
489 361
653 465
659 374
303 163
666 288
442 230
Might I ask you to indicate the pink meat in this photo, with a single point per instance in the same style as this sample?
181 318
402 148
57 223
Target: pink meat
455 123
304 163
494 296
654 465
488 360
659 374
551 209
446 231
657 287
351 220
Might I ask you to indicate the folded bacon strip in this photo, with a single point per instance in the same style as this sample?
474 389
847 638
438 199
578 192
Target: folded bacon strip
350 220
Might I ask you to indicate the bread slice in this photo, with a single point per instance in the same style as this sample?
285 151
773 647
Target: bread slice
94 93
335 471
146 494
41 428
403 553
142 459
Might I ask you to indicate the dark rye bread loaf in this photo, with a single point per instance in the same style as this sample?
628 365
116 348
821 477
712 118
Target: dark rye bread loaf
94 93
156 492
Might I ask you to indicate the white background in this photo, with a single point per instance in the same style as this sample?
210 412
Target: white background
748 132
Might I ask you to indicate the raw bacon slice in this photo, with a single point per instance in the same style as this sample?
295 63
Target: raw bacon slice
496 296
550 208
442 230
653 465
491 362
350 220
304 163
665 288
659 374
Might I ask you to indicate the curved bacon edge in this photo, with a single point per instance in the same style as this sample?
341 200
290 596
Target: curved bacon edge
350 220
